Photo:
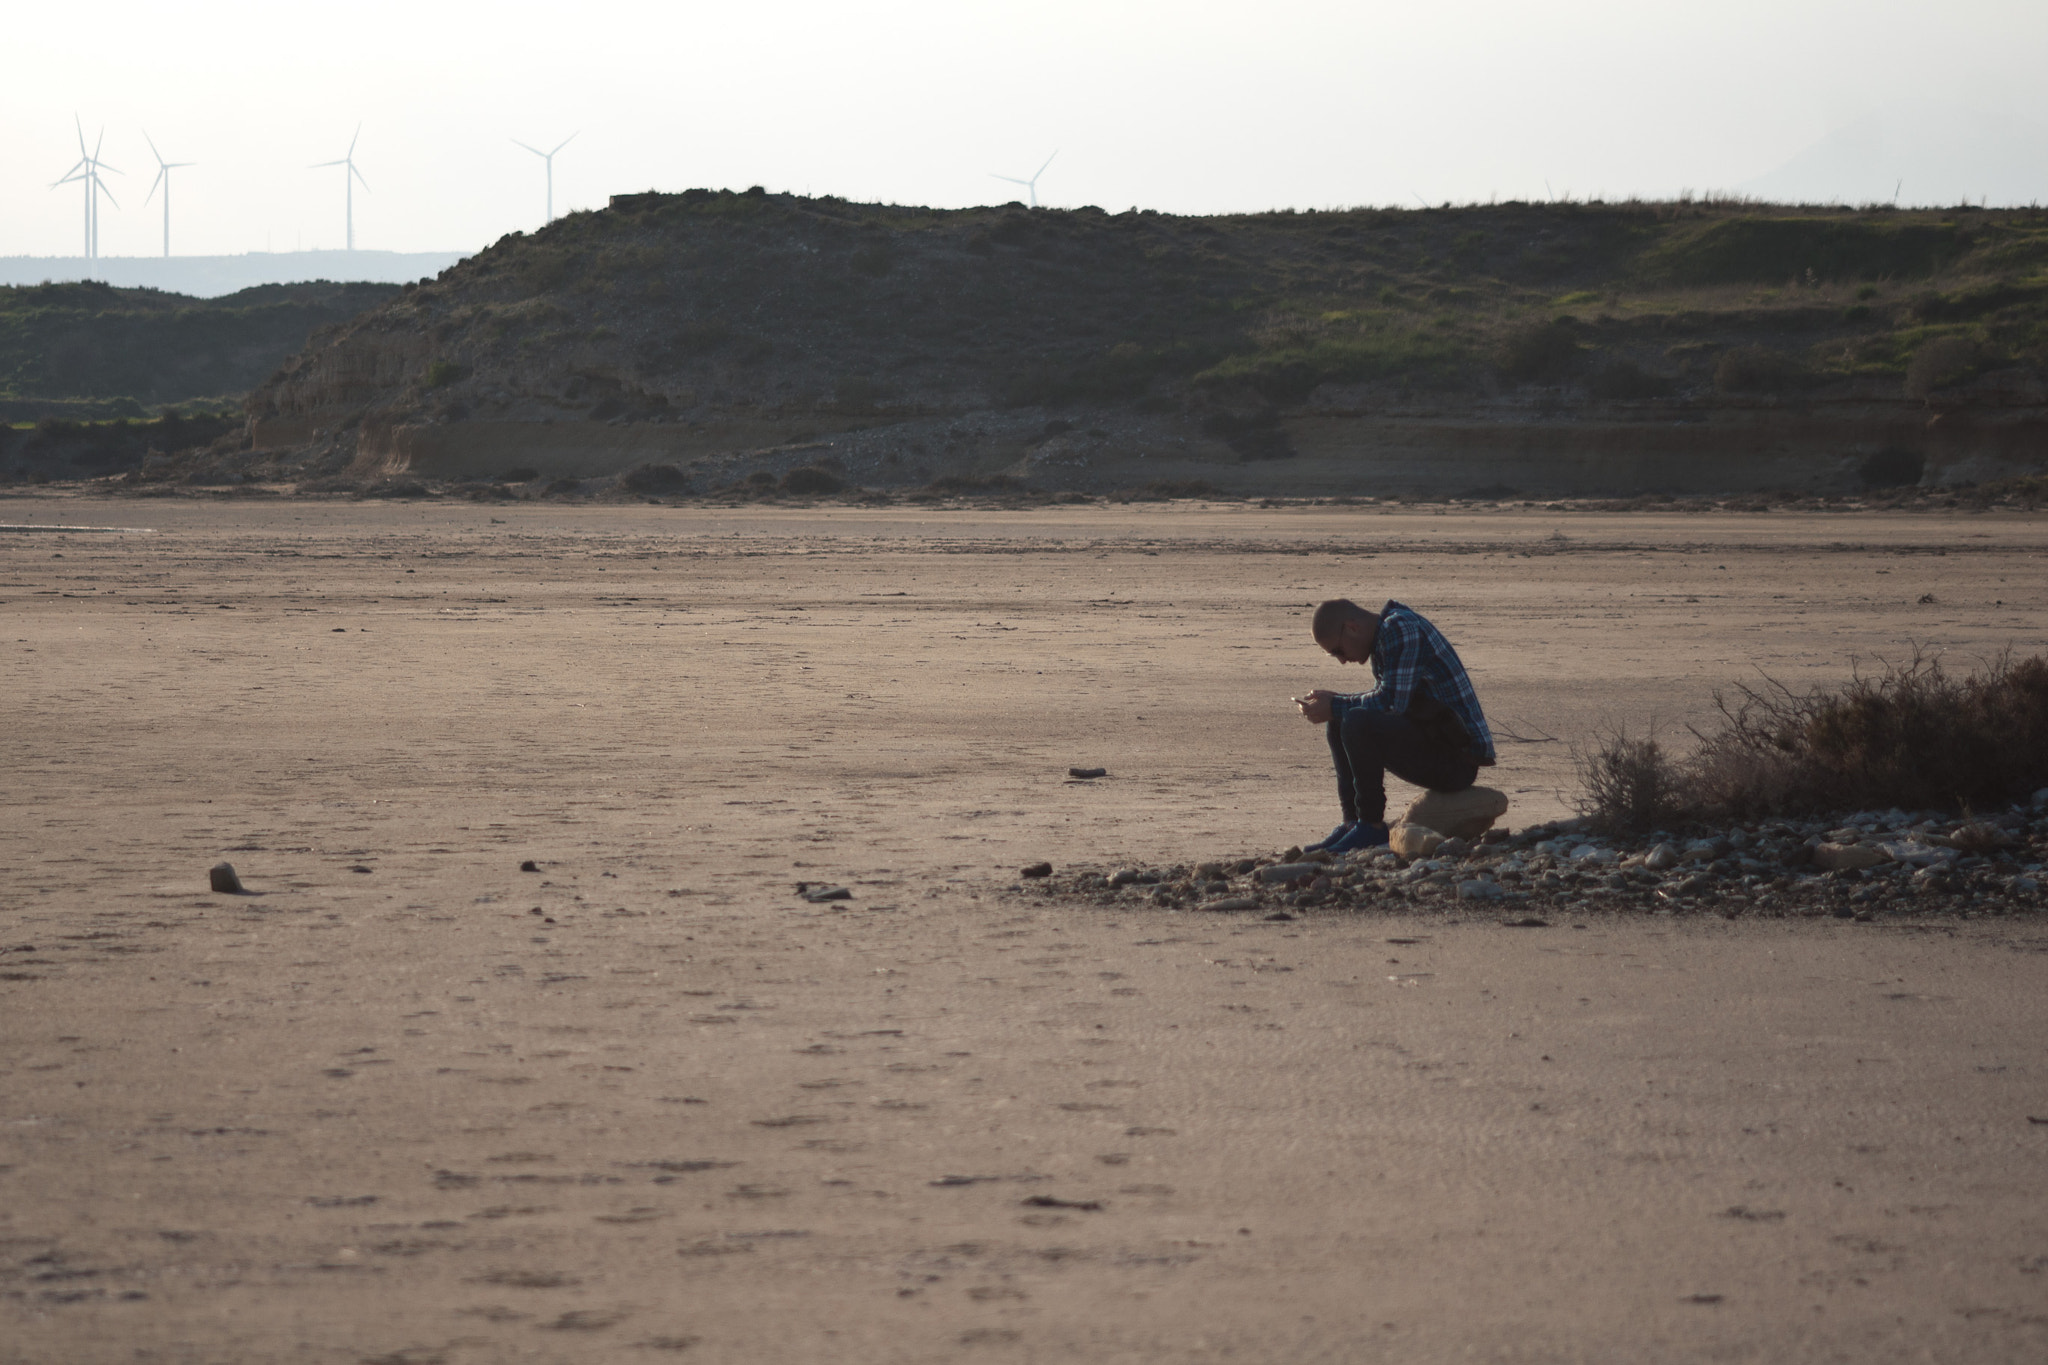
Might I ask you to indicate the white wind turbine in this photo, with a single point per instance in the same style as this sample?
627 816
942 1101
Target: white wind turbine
87 171
549 159
348 179
1030 185
163 177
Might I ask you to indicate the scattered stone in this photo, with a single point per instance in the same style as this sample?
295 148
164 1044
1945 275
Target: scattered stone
819 892
1833 857
1132 876
1286 872
1087 773
221 877
1918 854
1525 922
529 866
1414 841
1280 916
1037 870
1758 868
1466 814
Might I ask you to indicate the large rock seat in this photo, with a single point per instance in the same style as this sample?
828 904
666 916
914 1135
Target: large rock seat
1458 815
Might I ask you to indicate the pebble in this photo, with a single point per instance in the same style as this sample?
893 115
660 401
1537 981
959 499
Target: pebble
1231 903
1833 857
1036 870
1286 872
1414 841
1477 890
1087 773
221 877
1662 858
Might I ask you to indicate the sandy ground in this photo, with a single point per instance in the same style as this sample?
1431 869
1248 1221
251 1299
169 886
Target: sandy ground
406 1103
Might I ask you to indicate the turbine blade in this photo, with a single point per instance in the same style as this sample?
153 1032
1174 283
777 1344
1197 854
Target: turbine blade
352 140
535 150
153 184
98 143
83 154
1048 162
102 188
319 164
103 166
565 142
359 177
152 147
1011 178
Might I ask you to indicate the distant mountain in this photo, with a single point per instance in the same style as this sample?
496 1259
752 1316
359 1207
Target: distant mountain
209 277
1929 157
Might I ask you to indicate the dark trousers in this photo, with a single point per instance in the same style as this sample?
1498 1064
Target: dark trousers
1367 745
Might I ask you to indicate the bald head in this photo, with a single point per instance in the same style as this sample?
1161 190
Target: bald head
1345 630
1331 617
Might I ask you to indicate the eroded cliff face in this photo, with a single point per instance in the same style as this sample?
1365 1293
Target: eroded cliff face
1360 352
362 369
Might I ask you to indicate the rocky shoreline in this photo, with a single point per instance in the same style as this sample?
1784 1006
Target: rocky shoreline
1863 865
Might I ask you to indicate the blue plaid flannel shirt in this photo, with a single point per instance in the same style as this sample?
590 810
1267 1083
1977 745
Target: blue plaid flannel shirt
1410 653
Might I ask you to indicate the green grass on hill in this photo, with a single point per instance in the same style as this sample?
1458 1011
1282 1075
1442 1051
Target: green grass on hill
90 349
666 305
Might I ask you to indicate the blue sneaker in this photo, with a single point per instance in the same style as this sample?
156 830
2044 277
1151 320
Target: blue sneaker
1332 837
1365 834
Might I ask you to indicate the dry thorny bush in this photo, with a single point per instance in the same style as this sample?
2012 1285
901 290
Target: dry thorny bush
1913 735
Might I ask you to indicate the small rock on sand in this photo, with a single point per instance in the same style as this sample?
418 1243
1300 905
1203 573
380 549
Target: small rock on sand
1846 857
819 892
1414 841
1226 903
1037 870
221 877
1087 772
1286 872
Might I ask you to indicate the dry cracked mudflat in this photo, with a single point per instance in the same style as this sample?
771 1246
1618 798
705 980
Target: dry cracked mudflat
407 1103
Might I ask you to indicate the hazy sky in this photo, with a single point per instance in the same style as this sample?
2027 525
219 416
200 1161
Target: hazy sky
1185 107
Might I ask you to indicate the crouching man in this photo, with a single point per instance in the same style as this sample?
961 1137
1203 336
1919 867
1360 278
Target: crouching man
1422 722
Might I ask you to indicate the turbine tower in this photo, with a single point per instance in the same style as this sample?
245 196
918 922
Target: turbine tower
1030 185
549 158
163 177
87 171
348 180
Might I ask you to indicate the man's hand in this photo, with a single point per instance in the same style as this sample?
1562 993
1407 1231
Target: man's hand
1315 707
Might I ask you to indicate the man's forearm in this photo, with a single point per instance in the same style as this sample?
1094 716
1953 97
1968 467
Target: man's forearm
1351 701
